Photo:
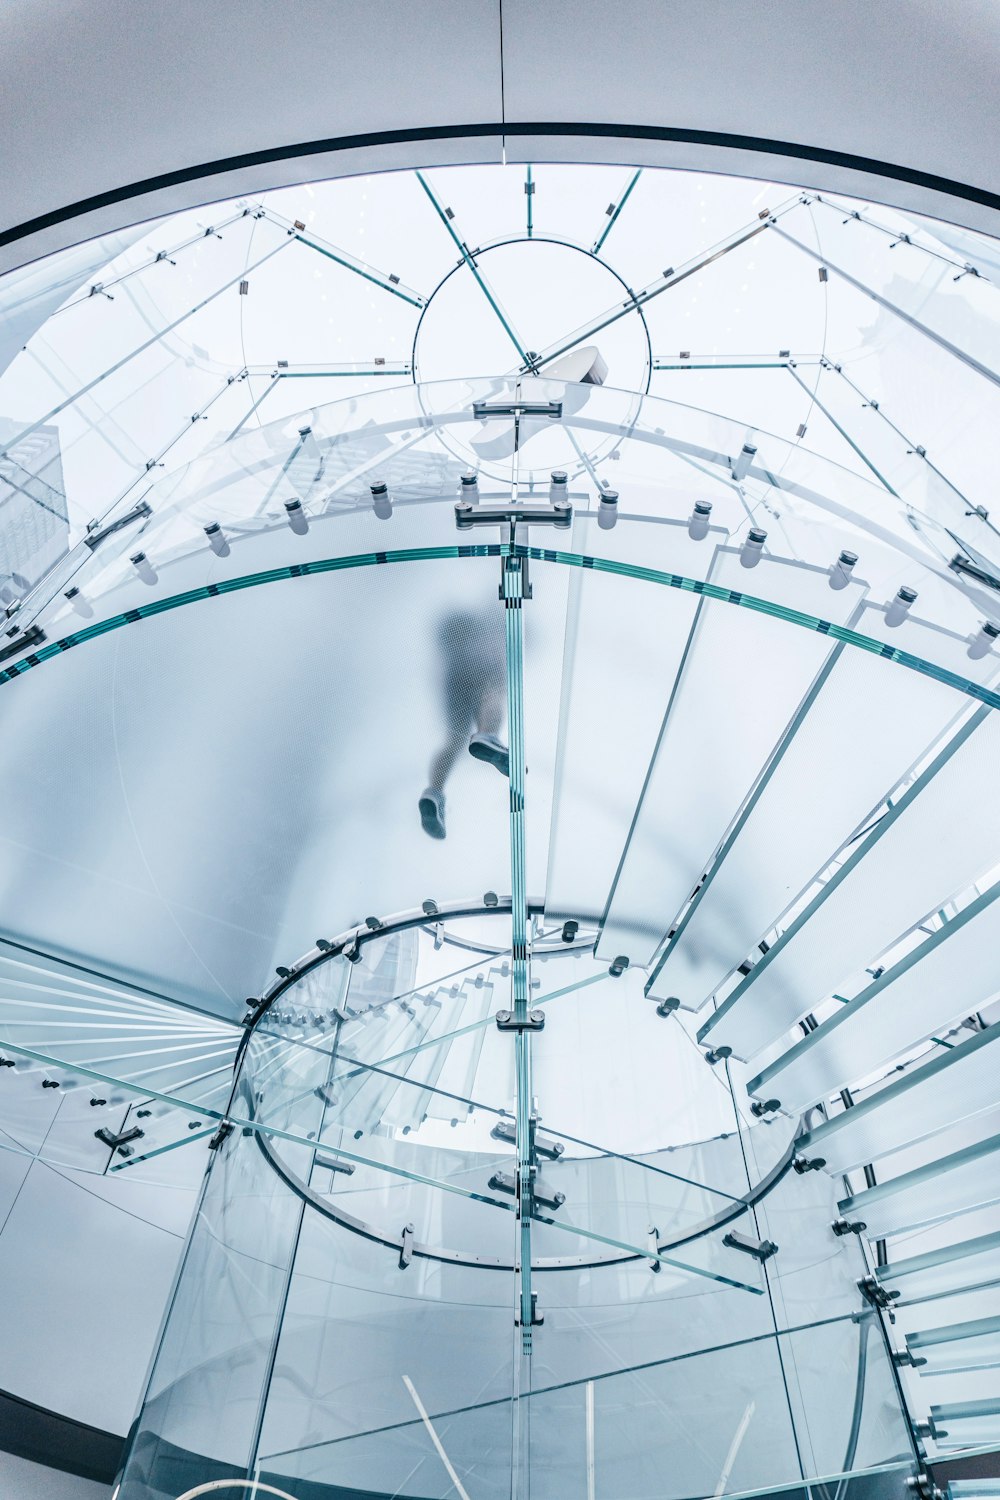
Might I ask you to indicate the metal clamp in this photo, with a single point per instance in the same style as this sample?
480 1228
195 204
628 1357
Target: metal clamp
468 515
533 1021
482 410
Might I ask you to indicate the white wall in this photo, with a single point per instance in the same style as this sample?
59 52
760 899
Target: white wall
21 1480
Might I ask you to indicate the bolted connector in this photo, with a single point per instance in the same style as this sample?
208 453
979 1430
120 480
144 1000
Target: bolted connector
981 644
217 539
618 967
570 930
804 1164
468 487
717 1055
762 1107
558 487
840 572
841 1227
900 606
143 567
382 502
668 1006
753 547
906 1359
607 511
296 517
698 523
740 465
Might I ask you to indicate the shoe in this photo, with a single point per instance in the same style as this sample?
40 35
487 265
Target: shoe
487 747
432 812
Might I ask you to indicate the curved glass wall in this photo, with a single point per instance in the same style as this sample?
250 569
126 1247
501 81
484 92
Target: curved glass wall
621 1116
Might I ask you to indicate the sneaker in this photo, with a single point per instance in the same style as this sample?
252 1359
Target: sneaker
487 747
432 812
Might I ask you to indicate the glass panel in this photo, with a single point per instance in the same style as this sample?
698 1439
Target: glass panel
951 1087
673 838
950 975
885 887
602 757
840 1388
957 1346
133 885
962 1424
786 832
951 1268
964 1180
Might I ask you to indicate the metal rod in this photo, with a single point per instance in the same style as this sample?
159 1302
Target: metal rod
614 214
470 262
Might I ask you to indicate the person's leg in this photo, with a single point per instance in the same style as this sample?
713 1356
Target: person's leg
486 743
460 716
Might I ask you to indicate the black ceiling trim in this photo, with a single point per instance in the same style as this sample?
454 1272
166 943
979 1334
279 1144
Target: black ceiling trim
721 140
45 1437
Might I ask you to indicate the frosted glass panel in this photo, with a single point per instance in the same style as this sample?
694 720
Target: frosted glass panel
952 974
970 1263
958 1346
958 1083
720 726
606 736
886 886
962 1424
304 820
966 1179
818 791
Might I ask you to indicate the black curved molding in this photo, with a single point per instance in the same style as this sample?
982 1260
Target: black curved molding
665 134
46 1437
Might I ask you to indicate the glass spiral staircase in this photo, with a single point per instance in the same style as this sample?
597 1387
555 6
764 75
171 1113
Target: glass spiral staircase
641 1135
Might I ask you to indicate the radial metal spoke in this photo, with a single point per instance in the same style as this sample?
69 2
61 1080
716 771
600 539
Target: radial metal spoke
470 261
614 209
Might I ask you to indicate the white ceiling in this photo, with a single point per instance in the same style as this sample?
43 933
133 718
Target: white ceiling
127 109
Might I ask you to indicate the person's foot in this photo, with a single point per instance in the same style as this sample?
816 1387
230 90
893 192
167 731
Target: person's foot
432 812
487 747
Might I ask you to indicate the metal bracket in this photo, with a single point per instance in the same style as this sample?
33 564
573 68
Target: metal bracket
33 636
803 1164
506 1130
537 1319
482 410
841 1227
406 1251
875 1293
330 1164
761 1250
114 1139
905 1358
504 1182
533 1021
99 534
468 515
223 1133
960 564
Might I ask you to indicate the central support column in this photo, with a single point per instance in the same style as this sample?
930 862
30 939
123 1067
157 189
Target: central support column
514 590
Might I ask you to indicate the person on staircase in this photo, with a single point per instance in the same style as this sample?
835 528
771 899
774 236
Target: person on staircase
475 700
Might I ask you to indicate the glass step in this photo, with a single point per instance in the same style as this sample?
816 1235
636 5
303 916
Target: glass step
886 886
963 1424
957 1347
786 833
966 1179
950 1268
950 975
954 1085
606 737
720 727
